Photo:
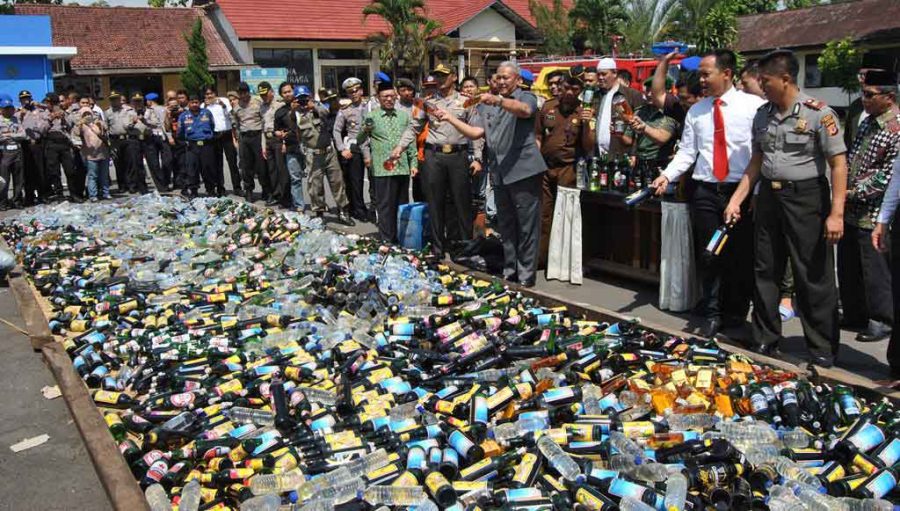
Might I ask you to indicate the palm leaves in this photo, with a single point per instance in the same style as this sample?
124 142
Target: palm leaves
648 21
411 36
594 22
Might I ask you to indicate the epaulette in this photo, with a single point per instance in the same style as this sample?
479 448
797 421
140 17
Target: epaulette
815 104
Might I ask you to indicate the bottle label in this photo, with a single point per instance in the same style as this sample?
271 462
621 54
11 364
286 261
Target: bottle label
867 438
890 453
526 468
406 479
881 484
475 468
788 398
520 494
589 500
415 459
106 397
558 395
864 465
638 429
759 403
622 488
157 470
435 482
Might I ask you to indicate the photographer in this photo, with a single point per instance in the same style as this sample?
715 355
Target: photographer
94 152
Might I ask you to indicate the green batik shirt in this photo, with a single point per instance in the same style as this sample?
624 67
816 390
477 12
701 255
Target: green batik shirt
388 128
645 148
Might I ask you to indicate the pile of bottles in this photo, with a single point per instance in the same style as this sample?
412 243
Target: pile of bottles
611 174
250 360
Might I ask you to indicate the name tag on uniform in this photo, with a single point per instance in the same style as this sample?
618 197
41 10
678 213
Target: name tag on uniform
11 147
200 143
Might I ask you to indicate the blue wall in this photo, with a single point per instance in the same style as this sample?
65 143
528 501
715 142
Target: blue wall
28 72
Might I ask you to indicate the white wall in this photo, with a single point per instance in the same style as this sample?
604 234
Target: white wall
488 26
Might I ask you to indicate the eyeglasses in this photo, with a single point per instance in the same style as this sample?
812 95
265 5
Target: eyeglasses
869 94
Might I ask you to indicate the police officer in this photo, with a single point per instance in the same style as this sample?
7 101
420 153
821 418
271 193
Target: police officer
795 139
58 151
197 128
276 166
12 134
315 125
247 123
140 147
159 150
447 166
35 122
120 117
346 129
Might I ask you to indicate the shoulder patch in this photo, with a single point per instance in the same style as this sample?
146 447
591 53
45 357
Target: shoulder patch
830 125
815 104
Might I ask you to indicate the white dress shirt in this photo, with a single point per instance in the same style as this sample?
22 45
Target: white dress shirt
221 114
891 196
696 144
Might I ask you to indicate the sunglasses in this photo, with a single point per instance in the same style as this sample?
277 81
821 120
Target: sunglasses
869 94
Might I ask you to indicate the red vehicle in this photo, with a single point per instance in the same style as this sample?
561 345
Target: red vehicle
640 68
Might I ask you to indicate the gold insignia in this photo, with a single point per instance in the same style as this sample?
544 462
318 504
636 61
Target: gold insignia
830 125
800 127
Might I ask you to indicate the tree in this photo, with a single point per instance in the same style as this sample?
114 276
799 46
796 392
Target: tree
840 62
170 3
100 3
800 4
404 18
196 75
8 6
718 29
594 22
428 39
649 21
553 23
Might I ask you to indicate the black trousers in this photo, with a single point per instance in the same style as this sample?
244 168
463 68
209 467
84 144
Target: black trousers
391 192
893 351
864 276
120 161
252 163
418 192
354 181
80 170
519 224
727 278
179 154
11 169
226 152
791 222
151 150
443 175
136 176
33 153
200 160
58 153
276 168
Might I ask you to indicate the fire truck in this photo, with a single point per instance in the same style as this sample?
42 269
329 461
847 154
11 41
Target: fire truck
641 68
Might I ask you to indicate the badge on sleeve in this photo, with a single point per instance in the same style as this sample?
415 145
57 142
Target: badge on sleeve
830 125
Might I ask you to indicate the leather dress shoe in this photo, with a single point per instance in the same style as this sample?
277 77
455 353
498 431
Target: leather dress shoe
344 218
876 331
711 328
271 201
825 361
248 195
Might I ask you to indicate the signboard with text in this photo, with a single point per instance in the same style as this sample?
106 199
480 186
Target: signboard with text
273 75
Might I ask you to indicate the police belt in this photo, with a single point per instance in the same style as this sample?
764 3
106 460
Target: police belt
9 145
199 143
319 152
446 148
777 185
251 133
118 137
718 187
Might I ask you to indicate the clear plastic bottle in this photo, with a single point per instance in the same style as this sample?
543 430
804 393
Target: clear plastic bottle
251 416
590 399
509 430
676 491
625 445
405 411
795 439
699 421
157 498
653 472
264 484
811 497
261 503
560 460
320 396
394 495
629 504
790 470
851 504
344 491
190 496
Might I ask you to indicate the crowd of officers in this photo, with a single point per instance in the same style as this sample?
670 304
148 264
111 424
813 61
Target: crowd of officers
748 150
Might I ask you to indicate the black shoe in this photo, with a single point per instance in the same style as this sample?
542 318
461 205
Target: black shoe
527 283
711 328
76 199
186 193
271 201
248 196
345 219
876 331
768 350
825 361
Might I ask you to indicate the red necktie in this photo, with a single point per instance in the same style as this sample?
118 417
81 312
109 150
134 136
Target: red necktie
720 146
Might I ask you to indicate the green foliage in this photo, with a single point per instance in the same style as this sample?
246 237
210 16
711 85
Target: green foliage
742 7
800 4
6 6
840 62
196 75
170 3
594 22
553 24
410 38
649 21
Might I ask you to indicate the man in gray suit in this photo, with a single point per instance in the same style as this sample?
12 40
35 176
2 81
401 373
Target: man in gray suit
516 168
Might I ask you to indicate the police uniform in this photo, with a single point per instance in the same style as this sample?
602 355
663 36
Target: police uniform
35 122
198 131
247 120
11 158
123 149
140 133
58 152
156 147
446 170
276 165
315 128
347 125
793 202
